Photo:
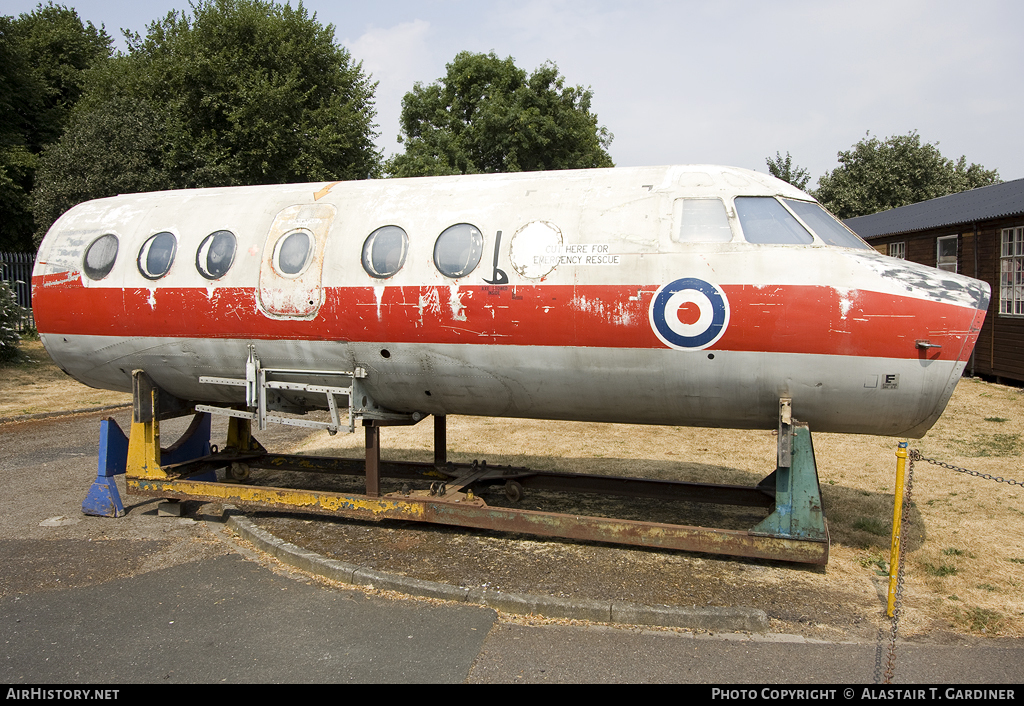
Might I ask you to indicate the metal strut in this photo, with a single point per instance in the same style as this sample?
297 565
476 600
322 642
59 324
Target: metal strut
283 389
793 531
797 512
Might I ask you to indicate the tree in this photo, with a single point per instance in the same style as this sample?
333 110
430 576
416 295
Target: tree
783 168
239 92
875 176
10 317
115 148
20 95
60 48
486 115
44 56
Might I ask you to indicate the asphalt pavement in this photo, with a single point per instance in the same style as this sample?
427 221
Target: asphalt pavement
145 599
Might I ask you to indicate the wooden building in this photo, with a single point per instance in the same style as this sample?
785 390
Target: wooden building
979 233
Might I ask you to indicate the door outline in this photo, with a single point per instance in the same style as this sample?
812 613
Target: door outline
283 296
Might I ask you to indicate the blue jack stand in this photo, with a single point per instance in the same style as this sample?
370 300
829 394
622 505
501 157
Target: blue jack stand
103 499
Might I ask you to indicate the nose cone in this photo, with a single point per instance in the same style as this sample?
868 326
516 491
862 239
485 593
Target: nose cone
948 342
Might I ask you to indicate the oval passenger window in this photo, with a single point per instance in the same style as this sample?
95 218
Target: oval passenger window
157 255
384 251
294 252
458 249
215 254
100 256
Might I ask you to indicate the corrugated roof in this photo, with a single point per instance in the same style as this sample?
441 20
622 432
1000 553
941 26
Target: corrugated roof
979 204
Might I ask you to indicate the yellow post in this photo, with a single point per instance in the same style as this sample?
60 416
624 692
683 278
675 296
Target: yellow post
144 447
897 521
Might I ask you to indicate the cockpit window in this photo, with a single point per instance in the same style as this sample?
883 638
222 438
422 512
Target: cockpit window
157 255
764 220
100 257
215 254
384 251
458 249
701 221
825 225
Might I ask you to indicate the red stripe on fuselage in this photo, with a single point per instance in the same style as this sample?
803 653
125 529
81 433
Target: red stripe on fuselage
781 319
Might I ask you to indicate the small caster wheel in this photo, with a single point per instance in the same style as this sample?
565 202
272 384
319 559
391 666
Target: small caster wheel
238 471
513 491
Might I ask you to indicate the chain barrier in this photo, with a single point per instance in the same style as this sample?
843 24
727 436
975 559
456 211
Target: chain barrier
916 455
897 612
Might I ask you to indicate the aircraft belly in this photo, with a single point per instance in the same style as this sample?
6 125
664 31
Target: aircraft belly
734 389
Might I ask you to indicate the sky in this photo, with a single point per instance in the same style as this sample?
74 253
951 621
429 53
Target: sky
728 82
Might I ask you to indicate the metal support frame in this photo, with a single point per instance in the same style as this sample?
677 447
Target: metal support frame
372 460
145 457
268 390
788 534
797 512
103 500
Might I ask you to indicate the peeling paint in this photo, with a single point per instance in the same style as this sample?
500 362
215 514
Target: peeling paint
429 301
455 301
69 276
587 306
929 282
624 316
846 300
378 293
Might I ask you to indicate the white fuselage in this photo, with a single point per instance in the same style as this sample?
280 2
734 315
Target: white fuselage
693 295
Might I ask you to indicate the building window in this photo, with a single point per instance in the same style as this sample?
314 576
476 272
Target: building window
945 253
1011 275
898 250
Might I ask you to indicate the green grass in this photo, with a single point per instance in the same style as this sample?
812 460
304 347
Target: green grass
980 619
952 551
984 446
941 571
871 525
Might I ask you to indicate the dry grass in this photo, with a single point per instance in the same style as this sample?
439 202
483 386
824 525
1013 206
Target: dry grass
37 385
965 535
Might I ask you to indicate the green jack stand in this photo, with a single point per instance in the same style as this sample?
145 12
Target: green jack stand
798 511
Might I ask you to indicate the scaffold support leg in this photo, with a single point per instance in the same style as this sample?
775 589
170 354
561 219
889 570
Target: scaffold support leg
440 440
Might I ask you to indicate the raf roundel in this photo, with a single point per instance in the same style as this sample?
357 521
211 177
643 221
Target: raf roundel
689 314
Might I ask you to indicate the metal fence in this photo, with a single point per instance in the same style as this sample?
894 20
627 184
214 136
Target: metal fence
16 269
